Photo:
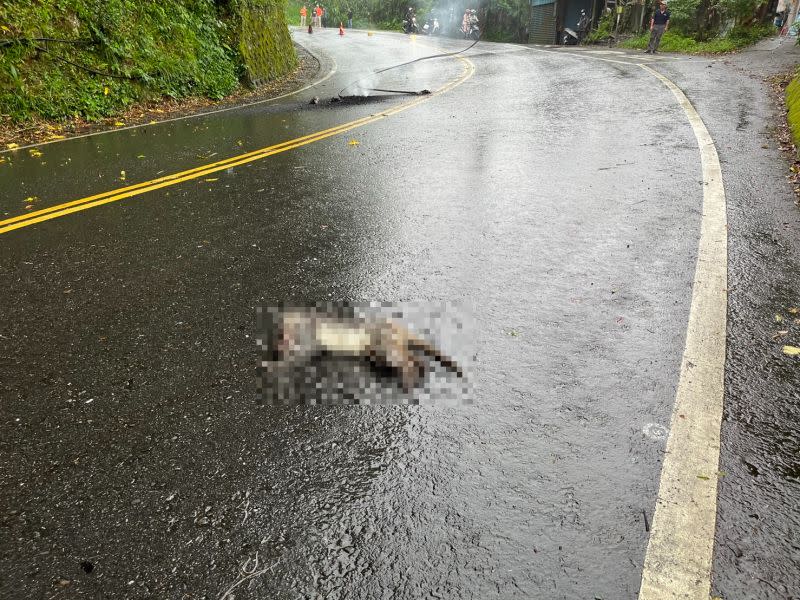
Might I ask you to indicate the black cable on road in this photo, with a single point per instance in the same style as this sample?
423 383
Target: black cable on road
440 55
419 93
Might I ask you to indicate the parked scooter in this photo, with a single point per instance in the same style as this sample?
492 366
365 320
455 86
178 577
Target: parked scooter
573 38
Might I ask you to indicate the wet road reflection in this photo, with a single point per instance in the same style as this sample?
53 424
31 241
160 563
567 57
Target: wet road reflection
130 427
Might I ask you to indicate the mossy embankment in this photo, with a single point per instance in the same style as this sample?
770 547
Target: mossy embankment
94 58
793 108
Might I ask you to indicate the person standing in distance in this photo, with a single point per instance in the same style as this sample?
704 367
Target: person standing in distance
303 13
658 27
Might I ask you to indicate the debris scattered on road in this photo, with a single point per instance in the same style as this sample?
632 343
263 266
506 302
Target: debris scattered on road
791 350
314 100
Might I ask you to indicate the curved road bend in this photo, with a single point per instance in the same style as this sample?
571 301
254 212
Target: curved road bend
558 196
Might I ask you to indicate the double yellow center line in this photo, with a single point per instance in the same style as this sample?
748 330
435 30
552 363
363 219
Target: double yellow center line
67 208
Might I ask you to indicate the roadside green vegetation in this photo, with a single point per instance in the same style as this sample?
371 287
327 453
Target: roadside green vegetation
504 20
704 26
93 58
674 41
604 29
375 14
793 108
702 20
696 25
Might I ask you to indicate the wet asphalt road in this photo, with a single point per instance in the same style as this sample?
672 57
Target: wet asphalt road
556 196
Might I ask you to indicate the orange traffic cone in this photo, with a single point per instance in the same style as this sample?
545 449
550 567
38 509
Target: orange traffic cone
341 29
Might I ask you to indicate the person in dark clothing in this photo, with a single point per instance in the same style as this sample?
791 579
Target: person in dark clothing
659 25
350 18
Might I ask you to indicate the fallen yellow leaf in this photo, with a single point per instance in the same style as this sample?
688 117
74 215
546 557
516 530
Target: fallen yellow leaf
12 145
793 310
791 350
778 319
56 137
105 91
354 142
31 199
122 175
212 179
119 124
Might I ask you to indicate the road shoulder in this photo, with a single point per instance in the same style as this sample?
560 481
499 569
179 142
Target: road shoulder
758 493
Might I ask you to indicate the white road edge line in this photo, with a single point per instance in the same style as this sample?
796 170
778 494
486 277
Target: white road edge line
680 551
192 116
681 547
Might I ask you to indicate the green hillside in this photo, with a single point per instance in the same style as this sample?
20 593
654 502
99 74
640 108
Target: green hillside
92 58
